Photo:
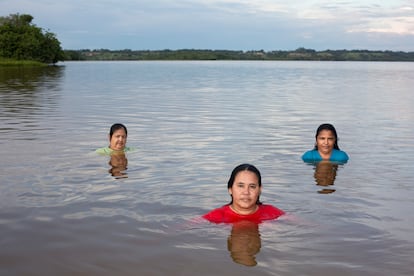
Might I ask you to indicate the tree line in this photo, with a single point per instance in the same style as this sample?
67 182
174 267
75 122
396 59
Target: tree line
196 54
20 39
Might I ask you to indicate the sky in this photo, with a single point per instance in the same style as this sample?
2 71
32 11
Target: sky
223 24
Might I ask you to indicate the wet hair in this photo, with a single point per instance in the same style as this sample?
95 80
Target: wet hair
327 127
116 127
244 167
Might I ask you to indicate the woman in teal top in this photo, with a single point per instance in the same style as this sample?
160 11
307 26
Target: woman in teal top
117 140
326 146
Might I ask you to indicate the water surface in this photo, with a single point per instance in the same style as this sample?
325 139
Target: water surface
63 212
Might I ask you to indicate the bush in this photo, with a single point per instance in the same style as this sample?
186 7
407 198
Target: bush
22 40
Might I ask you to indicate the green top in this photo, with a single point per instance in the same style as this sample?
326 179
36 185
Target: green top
109 151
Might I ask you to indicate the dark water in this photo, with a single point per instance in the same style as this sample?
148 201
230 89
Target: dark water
64 211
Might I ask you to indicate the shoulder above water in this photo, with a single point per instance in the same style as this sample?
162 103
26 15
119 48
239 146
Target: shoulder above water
109 151
336 156
225 214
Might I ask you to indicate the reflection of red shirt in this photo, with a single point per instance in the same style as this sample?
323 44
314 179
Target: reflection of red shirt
226 215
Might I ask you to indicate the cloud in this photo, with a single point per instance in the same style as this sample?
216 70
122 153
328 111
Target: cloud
222 24
364 18
395 21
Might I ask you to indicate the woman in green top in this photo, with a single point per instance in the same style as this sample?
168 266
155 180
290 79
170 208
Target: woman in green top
117 140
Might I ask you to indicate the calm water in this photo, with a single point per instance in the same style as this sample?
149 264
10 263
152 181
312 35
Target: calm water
65 211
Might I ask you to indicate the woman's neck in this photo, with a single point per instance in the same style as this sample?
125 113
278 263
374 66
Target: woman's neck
244 211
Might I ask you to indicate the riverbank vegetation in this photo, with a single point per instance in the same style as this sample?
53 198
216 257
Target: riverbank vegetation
14 62
23 43
194 54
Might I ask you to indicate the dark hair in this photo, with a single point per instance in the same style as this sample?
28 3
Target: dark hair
244 167
115 127
327 127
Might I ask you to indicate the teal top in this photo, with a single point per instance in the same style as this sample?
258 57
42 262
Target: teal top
109 151
336 156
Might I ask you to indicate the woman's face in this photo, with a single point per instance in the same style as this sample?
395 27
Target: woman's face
245 192
325 141
118 139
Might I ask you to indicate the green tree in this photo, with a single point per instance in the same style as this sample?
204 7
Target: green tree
22 40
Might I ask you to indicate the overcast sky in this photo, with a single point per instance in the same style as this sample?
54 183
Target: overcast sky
223 24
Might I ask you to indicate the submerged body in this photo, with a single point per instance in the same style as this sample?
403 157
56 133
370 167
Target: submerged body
244 188
326 146
117 140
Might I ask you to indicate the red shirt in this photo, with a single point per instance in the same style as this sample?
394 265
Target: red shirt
226 215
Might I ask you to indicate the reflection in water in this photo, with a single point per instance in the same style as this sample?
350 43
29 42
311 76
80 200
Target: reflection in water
118 163
24 79
325 174
27 96
244 243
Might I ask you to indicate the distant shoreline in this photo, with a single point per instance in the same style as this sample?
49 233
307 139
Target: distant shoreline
197 54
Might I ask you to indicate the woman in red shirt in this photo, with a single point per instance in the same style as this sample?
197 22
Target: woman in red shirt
245 187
